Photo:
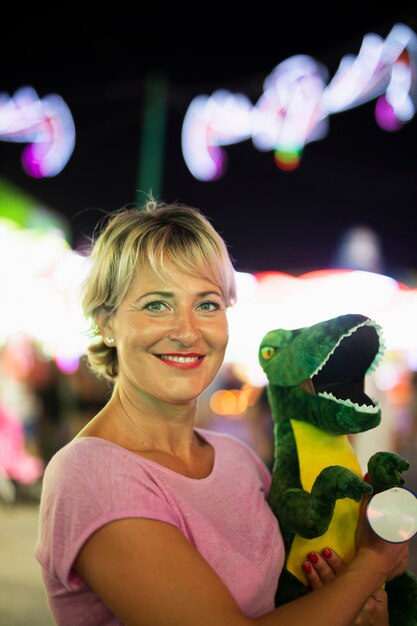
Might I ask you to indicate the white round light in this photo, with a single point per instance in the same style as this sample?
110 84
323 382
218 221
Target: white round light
392 514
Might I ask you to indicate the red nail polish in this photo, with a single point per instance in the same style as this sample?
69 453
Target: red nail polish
326 553
367 478
307 567
312 556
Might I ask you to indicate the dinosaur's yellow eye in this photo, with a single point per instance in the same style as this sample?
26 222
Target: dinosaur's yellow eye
267 352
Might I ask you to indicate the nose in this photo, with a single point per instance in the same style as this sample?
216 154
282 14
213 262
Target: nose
185 329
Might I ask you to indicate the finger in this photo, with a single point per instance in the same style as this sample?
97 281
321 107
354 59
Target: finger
375 610
402 561
381 602
321 567
363 503
333 560
313 579
363 529
367 614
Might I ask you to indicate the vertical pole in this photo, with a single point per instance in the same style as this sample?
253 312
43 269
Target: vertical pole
151 153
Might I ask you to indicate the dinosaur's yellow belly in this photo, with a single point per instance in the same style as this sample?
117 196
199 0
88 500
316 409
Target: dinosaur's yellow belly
317 450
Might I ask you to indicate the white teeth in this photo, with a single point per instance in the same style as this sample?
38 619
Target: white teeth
179 359
363 409
378 357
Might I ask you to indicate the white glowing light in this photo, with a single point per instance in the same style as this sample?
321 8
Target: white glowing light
40 279
282 116
45 124
284 301
397 93
223 118
386 376
296 103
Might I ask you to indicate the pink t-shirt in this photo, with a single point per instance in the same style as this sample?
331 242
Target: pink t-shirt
91 482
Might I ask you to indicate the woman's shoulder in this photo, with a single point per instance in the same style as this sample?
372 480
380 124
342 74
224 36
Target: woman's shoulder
84 456
76 447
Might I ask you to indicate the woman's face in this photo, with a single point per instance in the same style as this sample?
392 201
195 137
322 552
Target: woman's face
170 335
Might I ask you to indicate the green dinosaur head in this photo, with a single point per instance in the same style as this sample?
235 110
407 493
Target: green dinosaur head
316 374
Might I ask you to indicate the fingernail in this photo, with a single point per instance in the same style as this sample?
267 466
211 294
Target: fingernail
313 557
326 553
367 478
307 567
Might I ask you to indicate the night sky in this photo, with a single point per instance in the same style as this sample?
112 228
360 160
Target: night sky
272 220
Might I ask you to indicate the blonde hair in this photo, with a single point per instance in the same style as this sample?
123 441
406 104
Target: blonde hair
158 234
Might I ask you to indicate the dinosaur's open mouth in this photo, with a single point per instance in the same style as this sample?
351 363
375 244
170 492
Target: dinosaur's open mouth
341 376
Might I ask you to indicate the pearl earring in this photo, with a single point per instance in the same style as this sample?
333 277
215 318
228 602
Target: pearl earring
110 340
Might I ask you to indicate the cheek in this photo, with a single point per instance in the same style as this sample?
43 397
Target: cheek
219 336
140 333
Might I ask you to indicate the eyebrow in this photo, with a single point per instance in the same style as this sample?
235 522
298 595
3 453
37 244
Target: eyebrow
170 294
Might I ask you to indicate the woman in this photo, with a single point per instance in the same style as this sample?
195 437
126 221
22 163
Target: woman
144 516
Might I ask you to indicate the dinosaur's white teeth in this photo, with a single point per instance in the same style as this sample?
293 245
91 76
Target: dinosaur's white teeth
348 334
320 367
382 348
377 358
364 408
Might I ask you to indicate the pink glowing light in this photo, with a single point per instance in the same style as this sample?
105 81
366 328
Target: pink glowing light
15 462
45 124
385 115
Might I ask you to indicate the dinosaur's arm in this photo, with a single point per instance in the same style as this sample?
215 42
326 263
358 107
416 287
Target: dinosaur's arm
309 514
384 470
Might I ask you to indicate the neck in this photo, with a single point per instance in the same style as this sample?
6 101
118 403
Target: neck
148 424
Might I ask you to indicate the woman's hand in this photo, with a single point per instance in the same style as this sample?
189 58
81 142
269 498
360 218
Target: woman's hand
392 558
322 568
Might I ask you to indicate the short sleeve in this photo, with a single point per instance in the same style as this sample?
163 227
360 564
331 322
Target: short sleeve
84 488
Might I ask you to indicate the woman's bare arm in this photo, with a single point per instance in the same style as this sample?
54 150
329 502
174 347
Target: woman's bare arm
147 573
322 568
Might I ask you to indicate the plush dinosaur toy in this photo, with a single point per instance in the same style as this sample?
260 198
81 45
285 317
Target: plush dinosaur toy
316 394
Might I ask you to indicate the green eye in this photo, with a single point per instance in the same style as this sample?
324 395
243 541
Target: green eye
267 352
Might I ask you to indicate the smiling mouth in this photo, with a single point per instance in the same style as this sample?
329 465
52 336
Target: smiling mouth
180 359
183 361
